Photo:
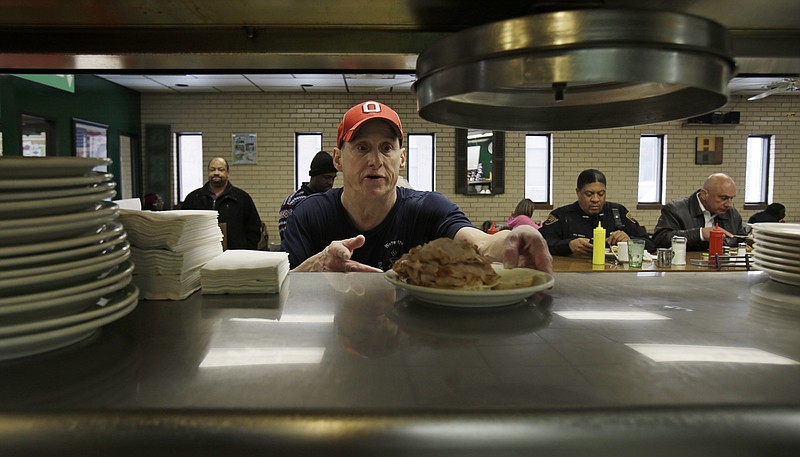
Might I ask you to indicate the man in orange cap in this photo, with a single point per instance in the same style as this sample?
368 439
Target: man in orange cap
370 222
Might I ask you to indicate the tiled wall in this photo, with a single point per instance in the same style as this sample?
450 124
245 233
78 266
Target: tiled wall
275 117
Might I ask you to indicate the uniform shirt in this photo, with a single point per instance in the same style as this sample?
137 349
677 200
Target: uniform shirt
416 218
290 203
568 222
235 208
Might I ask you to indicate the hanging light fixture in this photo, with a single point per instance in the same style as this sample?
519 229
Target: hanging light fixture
575 70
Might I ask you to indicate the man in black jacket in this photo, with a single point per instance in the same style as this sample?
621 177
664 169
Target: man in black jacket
568 229
235 206
694 217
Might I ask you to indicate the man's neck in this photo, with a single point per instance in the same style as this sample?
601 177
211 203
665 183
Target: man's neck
366 214
217 189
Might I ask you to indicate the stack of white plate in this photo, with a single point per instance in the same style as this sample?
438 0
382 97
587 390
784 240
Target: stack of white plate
64 267
776 251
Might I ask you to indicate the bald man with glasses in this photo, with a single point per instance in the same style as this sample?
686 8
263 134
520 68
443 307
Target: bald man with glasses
694 217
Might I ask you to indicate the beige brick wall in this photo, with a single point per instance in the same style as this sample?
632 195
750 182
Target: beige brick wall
275 117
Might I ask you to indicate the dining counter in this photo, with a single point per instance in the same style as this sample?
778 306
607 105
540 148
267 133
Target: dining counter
644 363
695 262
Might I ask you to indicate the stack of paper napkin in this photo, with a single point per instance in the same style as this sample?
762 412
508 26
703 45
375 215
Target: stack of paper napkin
169 248
245 272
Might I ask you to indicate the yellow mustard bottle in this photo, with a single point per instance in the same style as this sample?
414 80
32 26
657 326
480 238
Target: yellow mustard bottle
599 245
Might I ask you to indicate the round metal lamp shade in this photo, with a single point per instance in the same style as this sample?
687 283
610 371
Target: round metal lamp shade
576 70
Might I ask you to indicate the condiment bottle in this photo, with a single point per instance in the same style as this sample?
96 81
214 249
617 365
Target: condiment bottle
715 241
493 229
599 245
742 250
679 250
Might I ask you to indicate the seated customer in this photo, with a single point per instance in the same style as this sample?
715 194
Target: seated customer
522 214
568 229
775 212
694 217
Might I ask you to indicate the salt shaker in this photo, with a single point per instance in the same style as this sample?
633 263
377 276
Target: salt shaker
679 250
742 250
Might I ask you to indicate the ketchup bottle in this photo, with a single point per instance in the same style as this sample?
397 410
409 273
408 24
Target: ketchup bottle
715 241
493 229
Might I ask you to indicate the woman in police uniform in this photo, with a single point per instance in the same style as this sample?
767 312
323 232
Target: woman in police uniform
568 229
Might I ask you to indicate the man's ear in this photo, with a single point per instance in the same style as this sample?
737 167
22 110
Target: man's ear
337 158
402 158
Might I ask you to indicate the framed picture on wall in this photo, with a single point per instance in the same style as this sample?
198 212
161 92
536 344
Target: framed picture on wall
90 139
244 148
708 150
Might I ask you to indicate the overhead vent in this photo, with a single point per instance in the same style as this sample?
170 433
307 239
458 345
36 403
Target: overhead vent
575 70
720 118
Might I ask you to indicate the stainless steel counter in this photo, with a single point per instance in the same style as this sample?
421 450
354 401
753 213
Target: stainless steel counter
345 363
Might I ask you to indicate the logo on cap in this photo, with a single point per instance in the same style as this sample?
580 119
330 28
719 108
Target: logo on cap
370 109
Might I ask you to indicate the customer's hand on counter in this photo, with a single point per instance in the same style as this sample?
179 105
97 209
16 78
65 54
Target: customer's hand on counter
336 257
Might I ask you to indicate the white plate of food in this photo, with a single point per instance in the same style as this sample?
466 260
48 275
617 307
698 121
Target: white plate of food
453 273
472 298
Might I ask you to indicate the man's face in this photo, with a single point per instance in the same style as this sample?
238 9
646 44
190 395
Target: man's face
592 198
217 173
322 183
718 197
372 160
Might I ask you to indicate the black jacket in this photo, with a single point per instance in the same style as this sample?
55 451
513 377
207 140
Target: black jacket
236 209
684 217
568 222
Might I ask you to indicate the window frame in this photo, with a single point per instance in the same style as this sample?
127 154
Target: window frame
409 159
661 172
548 202
297 168
178 174
768 171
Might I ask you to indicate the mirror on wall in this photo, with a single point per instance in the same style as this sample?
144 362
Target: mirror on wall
480 162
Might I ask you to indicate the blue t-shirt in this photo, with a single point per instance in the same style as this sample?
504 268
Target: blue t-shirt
416 218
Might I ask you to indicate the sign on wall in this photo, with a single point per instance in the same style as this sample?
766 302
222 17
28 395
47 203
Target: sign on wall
244 148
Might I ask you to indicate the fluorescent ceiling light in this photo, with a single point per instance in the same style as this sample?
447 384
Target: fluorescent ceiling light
237 357
287 318
612 315
689 353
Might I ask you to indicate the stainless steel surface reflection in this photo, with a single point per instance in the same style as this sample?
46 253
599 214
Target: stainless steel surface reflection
346 362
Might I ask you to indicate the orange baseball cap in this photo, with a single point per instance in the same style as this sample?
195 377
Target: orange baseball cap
363 112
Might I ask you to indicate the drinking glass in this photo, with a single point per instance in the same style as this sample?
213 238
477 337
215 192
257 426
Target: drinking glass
635 253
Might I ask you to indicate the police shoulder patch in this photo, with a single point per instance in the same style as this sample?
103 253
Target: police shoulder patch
629 216
551 219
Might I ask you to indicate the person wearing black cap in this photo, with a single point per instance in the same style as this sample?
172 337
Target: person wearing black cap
322 174
775 212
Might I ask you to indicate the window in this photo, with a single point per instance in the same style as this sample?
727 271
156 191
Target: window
421 161
306 146
191 168
757 174
538 156
651 169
